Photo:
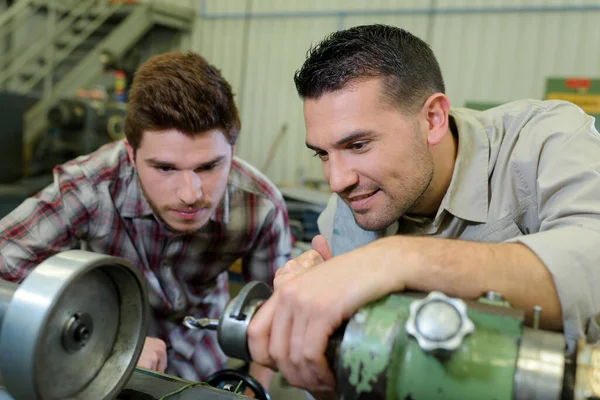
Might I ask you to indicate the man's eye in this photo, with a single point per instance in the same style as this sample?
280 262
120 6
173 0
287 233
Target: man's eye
163 168
205 168
358 146
321 154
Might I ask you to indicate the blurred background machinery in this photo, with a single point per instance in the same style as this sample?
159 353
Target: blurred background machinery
76 126
64 73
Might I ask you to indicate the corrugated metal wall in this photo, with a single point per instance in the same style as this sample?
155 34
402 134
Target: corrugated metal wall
489 50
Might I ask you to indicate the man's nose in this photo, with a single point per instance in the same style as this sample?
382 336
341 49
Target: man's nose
190 188
340 175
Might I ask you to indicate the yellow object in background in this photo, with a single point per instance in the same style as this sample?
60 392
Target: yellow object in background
236 278
583 92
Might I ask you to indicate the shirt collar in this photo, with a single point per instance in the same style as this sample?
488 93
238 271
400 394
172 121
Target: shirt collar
468 193
136 205
221 214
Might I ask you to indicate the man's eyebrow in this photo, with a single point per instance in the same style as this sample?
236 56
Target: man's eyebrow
354 136
314 148
156 162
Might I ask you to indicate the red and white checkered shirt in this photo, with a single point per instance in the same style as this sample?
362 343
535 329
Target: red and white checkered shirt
97 199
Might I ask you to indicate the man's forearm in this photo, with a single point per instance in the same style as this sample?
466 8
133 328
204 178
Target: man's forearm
469 269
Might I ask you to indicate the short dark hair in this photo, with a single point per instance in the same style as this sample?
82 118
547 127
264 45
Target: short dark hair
406 63
180 91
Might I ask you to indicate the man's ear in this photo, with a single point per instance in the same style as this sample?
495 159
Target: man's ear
130 152
436 110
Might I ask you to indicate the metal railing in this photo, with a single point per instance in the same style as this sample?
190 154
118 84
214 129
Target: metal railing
40 50
56 52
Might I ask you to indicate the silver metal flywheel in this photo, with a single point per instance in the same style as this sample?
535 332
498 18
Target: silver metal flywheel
73 329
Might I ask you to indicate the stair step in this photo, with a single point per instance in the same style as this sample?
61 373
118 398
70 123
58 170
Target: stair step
64 39
87 44
83 22
75 56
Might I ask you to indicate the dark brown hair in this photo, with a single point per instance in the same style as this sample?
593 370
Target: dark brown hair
406 63
180 91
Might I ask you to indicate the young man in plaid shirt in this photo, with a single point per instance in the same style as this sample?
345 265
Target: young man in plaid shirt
173 200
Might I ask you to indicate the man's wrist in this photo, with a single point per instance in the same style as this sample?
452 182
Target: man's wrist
397 261
262 374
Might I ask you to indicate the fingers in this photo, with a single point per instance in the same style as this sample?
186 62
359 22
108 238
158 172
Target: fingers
319 244
259 333
154 355
288 334
299 375
281 331
306 365
161 365
318 332
309 259
297 266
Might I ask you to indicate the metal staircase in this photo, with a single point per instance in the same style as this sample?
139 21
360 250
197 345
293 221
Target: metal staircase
63 46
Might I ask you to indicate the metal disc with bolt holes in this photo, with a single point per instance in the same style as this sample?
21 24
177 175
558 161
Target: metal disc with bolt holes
74 328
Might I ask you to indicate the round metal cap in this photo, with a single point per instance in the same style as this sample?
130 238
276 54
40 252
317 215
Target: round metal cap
439 322
74 328
233 324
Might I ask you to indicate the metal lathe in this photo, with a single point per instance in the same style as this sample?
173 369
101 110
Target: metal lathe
74 329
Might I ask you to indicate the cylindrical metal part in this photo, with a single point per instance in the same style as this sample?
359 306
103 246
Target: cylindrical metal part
233 324
7 290
494 296
540 366
587 378
74 329
379 360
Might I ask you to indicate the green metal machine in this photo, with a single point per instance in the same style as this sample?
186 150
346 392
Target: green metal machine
405 347
410 346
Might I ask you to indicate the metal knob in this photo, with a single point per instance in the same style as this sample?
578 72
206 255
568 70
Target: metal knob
439 322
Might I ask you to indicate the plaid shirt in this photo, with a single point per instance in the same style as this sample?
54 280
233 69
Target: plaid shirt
96 199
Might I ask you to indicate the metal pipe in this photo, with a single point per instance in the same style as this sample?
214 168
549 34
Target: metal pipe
7 290
14 10
527 8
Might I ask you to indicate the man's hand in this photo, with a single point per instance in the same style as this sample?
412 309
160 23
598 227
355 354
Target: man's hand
313 295
154 355
320 252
